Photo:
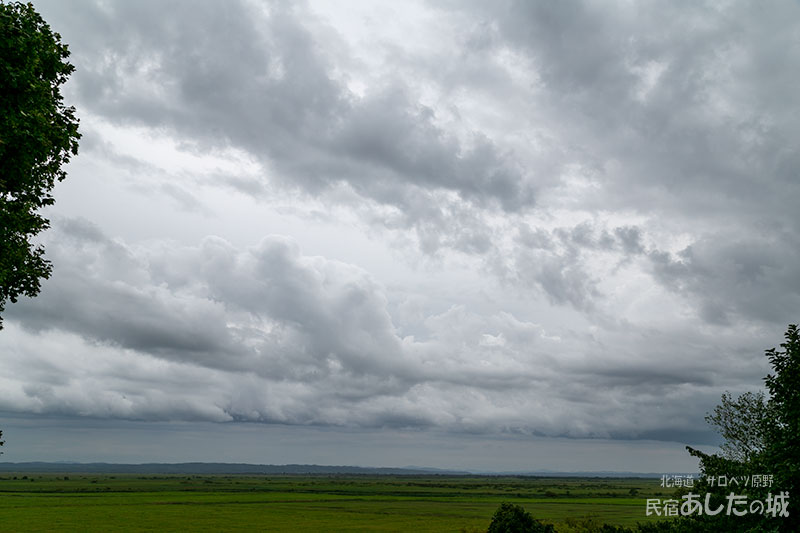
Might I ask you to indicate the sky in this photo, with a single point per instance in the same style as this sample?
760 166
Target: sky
459 234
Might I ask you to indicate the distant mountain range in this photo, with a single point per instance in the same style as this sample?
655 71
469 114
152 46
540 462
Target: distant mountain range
242 468
213 468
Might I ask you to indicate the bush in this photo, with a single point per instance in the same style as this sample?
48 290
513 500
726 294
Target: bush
510 518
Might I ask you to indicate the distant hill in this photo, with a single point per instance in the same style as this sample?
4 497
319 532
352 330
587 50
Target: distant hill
213 468
593 473
243 468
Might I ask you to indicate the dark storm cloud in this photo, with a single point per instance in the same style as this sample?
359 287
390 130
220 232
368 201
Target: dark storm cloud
736 277
268 334
103 291
688 103
668 122
727 276
681 113
233 75
267 310
388 132
559 262
672 111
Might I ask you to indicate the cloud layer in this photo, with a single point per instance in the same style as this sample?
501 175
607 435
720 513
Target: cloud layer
267 334
518 218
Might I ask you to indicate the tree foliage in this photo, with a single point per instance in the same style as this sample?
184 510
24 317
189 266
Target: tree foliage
743 424
510 518
782 452
38 135
762 438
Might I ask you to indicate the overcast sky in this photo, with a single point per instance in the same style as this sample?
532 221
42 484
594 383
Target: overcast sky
478 235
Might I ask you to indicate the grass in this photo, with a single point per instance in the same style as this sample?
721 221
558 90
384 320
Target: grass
83 502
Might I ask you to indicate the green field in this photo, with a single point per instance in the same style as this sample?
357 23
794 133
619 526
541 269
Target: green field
85 502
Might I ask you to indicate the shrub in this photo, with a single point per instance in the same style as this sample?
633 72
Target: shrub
510 518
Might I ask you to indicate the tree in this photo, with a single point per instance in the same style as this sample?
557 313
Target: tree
510 518
782 452
761 438
743 424
38 134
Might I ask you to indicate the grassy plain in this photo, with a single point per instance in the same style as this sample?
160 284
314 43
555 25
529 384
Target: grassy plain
105 502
